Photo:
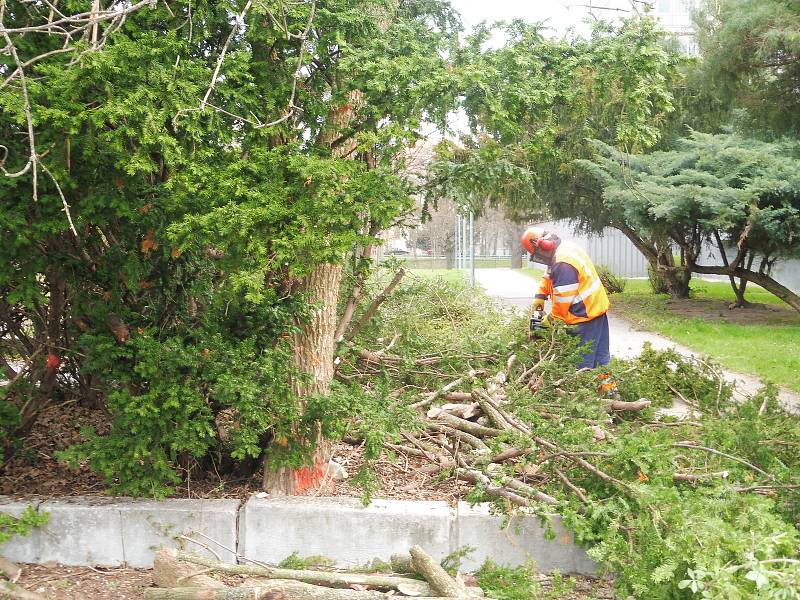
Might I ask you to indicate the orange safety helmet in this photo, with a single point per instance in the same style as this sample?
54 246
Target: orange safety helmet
538 237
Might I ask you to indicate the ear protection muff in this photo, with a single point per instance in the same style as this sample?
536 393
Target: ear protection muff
546 244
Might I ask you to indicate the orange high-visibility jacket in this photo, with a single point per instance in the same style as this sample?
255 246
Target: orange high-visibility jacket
573 285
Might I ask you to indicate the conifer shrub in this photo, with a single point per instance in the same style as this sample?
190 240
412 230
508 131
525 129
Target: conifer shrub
657 283
613 283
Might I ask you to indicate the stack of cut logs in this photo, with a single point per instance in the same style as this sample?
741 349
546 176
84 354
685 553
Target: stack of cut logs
185 576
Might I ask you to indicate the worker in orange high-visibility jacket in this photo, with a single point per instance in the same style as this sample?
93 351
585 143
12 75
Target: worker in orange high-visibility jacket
578 296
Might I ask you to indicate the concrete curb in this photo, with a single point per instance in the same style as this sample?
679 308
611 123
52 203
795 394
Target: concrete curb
116 531
111 532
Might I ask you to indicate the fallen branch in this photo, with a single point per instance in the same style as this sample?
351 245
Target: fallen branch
376 303
462 411
12 590
463 436
490 411
307 576
170 572
576 490
724 455
621 405
277 590
439 579
695 477
468 426
758 488
441 391
492 490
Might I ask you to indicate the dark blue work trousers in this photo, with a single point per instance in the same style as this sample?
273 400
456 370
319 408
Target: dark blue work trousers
594 335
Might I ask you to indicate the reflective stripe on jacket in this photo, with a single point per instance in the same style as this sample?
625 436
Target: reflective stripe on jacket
573 285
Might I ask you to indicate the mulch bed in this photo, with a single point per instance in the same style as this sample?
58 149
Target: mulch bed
35 472
57 582
719 311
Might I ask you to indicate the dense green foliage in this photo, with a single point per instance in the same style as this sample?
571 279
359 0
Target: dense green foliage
750 64
532 103
171 178
211 155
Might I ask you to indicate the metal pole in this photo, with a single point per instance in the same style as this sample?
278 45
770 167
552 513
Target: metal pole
472 246
458 256
464 242
457 242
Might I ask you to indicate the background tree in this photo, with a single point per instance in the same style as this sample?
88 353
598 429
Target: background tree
533 102
750 51
737 193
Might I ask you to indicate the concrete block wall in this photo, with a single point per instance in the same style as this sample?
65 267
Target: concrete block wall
342 529
111 532
116 531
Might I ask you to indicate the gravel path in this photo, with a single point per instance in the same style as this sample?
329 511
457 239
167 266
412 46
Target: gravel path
515 290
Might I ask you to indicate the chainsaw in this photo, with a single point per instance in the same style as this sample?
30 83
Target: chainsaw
538 324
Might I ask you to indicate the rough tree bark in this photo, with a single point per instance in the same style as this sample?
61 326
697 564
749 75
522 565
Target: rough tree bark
169 572
661 261
315 342
514 233
314 351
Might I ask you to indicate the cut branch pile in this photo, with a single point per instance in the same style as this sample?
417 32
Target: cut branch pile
643 488
473 432
182 575
459 435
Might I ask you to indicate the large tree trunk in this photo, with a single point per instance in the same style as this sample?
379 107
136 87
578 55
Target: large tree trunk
514 233
661 261
676 277
314 351
315 341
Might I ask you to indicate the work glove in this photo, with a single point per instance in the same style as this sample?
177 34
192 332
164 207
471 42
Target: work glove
538 304
537 328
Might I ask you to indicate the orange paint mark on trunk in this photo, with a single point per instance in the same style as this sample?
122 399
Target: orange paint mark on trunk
308 477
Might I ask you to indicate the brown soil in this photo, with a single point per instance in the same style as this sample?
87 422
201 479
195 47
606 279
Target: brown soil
720 310
57 582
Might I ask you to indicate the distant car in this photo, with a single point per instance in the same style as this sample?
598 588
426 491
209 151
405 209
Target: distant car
398 252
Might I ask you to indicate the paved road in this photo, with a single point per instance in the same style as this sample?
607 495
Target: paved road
515 290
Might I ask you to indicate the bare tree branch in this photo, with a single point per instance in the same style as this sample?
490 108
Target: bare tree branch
239 23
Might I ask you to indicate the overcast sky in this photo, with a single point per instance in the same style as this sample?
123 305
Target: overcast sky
559 14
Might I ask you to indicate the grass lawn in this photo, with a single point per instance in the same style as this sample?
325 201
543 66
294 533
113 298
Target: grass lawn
762 340
449 275
534 272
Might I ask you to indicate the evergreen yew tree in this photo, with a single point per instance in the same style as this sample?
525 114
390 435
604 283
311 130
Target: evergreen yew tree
739 194
176 174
